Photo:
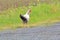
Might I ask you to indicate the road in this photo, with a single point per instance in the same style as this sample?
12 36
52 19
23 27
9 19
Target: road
51 32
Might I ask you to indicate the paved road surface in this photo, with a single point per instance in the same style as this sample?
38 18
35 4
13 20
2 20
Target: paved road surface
39 33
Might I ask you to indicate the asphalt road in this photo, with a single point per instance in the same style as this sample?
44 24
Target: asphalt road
51 32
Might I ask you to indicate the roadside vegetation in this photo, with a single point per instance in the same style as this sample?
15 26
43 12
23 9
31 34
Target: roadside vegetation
41 14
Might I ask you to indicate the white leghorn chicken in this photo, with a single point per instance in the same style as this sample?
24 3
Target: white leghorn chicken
25 18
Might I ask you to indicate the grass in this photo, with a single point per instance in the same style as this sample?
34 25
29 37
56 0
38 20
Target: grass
40 14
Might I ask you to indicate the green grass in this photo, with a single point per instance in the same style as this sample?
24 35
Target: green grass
40 13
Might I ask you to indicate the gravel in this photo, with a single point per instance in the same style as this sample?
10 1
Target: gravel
51 32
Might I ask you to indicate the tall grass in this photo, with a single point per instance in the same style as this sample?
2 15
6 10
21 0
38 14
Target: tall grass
41 12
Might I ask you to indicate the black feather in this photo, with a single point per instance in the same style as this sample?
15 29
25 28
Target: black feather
23 18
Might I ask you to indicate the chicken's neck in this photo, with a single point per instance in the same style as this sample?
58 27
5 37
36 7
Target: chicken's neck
27 13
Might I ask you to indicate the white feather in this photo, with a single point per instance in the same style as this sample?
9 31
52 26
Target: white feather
27 15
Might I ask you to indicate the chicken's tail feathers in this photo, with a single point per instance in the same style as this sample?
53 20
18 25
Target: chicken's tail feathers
22 17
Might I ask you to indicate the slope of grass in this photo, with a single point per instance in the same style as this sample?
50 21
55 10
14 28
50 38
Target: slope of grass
40 13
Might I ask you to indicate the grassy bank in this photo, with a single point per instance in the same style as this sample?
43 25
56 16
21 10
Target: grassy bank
40 13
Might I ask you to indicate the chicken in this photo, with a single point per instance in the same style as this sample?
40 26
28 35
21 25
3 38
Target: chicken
25 18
